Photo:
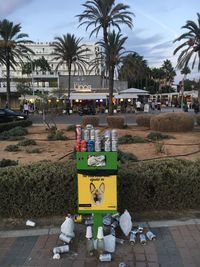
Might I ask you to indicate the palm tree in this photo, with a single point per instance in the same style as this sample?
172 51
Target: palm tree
101 14
134 69
67 49
12 47
113 52
191 44
169 72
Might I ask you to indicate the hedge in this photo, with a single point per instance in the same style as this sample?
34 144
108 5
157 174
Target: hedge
47 188
9 125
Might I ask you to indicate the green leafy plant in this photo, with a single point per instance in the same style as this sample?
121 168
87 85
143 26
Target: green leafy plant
33 150
8 162
159 147
124 157
158 136
17 131
129 139
27 142
71 127
56 135
12 148
9 125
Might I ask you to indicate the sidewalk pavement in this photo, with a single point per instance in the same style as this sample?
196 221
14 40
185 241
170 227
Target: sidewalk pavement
177 245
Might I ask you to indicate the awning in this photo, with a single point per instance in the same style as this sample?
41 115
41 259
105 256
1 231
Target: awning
126 96
86 96
30 97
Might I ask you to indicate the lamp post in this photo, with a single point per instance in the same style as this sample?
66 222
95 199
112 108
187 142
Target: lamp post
32 81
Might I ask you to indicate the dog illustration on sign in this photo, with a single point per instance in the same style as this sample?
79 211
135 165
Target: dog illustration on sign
97 193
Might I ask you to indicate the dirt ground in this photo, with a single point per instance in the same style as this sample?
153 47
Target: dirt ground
184 145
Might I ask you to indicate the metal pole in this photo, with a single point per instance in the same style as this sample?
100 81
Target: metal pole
33 85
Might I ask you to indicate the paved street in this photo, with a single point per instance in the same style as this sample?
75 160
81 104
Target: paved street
177 245
130 118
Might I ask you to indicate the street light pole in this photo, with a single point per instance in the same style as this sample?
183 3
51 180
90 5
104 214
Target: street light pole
32 80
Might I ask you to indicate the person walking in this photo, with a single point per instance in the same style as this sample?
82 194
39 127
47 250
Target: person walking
26 108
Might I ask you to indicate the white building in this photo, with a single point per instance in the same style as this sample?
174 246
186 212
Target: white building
45 49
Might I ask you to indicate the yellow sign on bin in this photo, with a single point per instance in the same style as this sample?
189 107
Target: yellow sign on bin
97 192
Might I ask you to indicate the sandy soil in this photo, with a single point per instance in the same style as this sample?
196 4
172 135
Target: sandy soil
184 145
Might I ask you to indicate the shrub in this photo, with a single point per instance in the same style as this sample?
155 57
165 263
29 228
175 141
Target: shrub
9 125
12 148
124 157
159 147
17 131
33 150
129 139
93 120
172 122
158 136
115 122
144 120
27 142
8 162
71 128
198 120
57 135
50 188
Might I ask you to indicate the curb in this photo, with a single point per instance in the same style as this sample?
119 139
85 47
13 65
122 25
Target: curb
80 228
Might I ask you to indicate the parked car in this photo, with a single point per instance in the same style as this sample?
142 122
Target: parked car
7 115
86 111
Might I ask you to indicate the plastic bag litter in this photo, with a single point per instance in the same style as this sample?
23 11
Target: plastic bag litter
67 227
125 223
109 243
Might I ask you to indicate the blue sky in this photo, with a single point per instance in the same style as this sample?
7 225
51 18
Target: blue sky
156 23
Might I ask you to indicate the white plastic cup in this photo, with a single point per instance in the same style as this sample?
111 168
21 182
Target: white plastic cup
65 238
150 235
100 232
61 249
88 232
30 223
132 238
143 240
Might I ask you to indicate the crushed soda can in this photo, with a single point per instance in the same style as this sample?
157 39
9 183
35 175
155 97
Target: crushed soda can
132 238
116 216
107 220
143 240
122 264
150 235
105 257
78 218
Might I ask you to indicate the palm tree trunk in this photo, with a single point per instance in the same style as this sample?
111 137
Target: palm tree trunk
8 79
69 81
111 85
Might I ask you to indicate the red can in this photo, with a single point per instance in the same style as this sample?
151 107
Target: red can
83 145
78 145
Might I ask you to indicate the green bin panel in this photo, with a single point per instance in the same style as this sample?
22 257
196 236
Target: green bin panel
110 160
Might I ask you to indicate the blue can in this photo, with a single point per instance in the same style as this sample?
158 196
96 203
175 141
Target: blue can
90 146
